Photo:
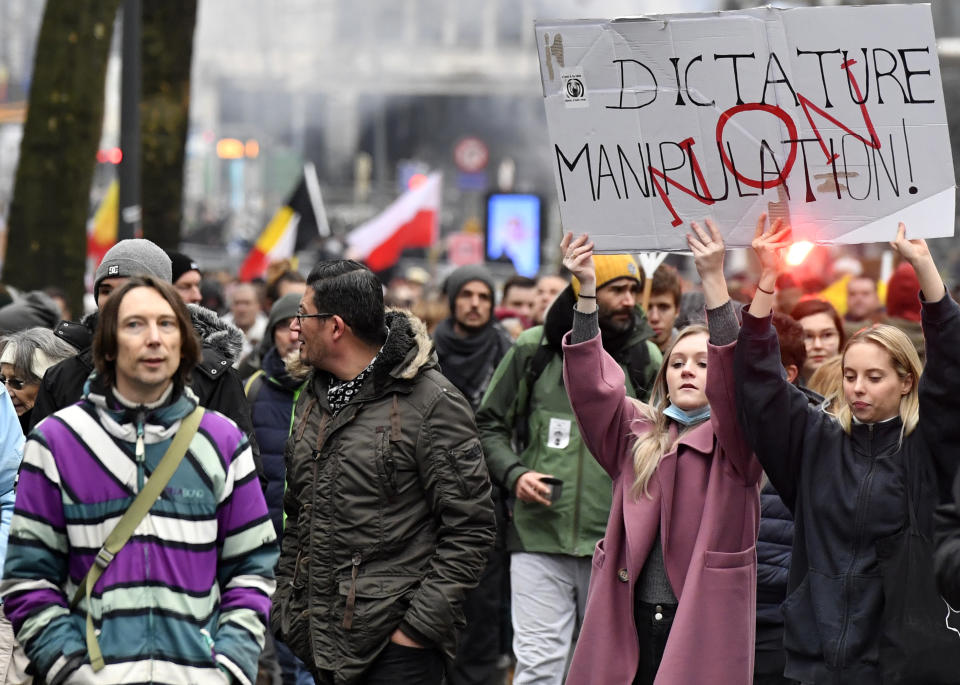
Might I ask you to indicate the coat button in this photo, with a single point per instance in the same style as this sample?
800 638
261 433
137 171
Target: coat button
213 372
659 615
623 575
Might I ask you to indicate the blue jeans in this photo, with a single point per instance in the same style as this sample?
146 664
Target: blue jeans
291 668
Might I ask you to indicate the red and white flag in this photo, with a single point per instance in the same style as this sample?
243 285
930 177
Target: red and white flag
411 221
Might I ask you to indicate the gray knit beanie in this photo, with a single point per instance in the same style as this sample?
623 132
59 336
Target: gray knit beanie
463 275
284 308
133 257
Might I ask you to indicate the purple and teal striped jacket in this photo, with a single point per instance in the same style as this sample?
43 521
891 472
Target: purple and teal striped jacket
186 600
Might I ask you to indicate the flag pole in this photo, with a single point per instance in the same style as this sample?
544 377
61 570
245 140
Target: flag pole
316 199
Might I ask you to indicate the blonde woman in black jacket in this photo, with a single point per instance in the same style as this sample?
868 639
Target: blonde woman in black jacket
848 479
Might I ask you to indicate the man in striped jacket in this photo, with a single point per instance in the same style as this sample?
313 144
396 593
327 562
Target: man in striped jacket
186 599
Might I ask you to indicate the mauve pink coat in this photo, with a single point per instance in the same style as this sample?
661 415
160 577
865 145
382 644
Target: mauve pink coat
706 505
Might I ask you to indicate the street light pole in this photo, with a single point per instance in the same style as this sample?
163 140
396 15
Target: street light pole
130 84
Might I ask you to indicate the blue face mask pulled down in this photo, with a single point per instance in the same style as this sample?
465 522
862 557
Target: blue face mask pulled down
687 418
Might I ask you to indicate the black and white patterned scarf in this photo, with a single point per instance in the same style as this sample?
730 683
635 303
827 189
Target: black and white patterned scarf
339 395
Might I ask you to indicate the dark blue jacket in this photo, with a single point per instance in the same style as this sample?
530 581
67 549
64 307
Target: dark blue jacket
272 397
774 544
847 493
773 568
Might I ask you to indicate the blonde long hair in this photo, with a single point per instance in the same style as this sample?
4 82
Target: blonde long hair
905 361
650 446
827 380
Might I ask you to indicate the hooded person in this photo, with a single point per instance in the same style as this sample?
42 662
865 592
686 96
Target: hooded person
284 309
470 342
272 393
214 381
35 309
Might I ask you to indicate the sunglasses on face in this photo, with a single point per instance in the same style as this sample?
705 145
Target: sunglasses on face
14 382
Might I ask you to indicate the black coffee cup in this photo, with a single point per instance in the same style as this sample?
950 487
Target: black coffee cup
556 487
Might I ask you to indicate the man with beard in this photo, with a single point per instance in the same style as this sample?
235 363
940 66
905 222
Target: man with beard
469 345
529 433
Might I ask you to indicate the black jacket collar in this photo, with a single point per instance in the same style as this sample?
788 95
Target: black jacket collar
876 439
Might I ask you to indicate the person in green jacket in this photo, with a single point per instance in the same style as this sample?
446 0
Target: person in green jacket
529 432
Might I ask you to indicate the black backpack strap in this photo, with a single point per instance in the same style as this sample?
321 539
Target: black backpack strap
534 367
637 362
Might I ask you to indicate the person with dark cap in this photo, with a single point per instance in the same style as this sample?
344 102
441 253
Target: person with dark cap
470 344
186 277
272 392
277 336
35 309
214 381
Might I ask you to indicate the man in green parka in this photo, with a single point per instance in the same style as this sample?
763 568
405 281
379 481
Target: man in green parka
529 432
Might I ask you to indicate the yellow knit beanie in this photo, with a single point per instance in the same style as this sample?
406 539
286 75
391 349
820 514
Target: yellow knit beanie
610 267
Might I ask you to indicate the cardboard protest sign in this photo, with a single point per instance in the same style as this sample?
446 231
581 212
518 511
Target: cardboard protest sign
830 116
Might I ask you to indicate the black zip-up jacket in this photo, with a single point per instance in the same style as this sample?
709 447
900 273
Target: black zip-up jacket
846 492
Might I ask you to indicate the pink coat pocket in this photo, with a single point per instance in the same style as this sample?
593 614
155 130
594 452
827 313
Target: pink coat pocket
730 559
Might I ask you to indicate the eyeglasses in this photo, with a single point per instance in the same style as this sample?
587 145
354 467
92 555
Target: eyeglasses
301 316
15 383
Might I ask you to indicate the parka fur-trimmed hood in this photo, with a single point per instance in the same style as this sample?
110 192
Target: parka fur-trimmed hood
408 343
225 338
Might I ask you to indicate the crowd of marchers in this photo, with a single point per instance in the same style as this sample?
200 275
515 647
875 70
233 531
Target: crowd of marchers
596 476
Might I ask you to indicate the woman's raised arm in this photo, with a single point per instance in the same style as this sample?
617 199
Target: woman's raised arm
595 383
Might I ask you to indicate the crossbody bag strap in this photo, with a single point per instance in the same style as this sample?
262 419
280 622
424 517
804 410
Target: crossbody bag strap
131 519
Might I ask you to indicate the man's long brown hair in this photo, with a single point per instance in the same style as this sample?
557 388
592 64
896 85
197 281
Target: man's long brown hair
105 337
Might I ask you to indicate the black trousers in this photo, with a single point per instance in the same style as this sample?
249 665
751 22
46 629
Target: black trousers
653 628
398 664
479 650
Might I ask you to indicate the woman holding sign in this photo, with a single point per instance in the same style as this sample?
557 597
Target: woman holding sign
862 607
673 585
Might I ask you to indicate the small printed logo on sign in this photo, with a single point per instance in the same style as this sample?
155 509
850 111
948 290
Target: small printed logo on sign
113 270
574 89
